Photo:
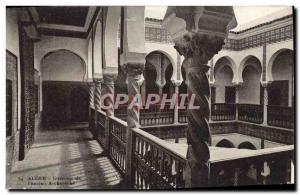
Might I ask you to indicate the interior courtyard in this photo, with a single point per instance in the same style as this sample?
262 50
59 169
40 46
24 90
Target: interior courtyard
61 61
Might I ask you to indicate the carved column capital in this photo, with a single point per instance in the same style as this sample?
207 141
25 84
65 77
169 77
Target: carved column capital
109 78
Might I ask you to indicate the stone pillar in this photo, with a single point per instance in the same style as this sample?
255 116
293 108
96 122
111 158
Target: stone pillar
97 95
92 92
109 89
92 106
134 76
266 98
210 102
176 84
198 45
97 104
160 90
237 86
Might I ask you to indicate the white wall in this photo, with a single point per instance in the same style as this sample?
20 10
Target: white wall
12 44
63 66
50 43
168 50
223 77
249 91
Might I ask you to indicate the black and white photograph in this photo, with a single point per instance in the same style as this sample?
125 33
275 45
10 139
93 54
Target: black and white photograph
150 97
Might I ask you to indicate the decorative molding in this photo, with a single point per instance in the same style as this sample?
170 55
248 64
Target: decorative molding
268 37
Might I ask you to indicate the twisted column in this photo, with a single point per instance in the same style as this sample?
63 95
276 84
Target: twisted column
97 95
134 80
197 49
266 102
91 93
237 87
110 91
134 75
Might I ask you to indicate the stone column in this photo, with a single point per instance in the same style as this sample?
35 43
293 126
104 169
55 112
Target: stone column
176 84
92 106
210 102
91 92
97 104
199 45
134 76
266 98
109 89
237 86
97 95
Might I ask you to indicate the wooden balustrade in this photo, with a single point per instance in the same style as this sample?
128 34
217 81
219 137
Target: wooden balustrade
154 115
100 128
117 142
260 167
223 111
155 164
250 113
281 116
182 116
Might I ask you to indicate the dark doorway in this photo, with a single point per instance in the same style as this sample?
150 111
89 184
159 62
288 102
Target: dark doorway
168 88
278 93
79 99
150 79
230 95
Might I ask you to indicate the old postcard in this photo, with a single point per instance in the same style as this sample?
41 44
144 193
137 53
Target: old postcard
145 97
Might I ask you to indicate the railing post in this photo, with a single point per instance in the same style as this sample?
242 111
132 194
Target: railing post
265 108
198 46
176 84
236 176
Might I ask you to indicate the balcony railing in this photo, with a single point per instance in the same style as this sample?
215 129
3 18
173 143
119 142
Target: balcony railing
157 164
154 115
280 116
117 142
100 127
251 113
223 112
259 167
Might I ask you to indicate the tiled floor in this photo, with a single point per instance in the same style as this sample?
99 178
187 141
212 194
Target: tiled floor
65 158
